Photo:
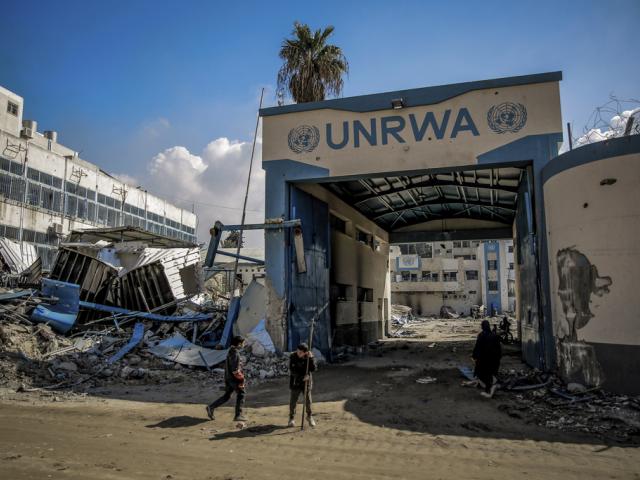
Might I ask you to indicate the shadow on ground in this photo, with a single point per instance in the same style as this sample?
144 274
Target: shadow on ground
381 389
251 432
181 421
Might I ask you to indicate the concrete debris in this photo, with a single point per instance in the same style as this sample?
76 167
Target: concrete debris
401 314
448 312
259 340
426 380
543 399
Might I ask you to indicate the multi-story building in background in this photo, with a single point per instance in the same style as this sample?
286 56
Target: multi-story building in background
498 280
457 274
47 190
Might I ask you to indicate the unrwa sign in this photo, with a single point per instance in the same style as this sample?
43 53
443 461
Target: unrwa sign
506 117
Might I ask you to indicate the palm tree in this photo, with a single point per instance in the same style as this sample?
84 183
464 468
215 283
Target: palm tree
312 68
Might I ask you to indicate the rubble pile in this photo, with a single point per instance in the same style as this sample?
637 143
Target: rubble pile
34 357
545 400
122 305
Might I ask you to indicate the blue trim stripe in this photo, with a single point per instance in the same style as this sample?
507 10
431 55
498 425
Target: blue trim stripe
413 97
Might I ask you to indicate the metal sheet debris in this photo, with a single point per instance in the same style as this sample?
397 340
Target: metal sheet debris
189 317
136 338
62 313
180 350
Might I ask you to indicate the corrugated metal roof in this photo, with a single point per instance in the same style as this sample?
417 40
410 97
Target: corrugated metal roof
173 261
17 259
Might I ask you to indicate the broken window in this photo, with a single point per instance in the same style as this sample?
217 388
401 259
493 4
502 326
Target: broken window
424 250
471 274
449 276
457 244
492 286
365 294
337 224
406 276
430 276
465 244
363 237
341 292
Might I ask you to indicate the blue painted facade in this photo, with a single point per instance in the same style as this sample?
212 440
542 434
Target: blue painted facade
494 303
278 175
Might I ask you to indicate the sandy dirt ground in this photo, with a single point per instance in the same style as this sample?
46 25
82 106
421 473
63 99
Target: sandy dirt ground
374 421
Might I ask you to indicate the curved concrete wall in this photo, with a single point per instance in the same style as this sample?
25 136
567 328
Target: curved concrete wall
592 211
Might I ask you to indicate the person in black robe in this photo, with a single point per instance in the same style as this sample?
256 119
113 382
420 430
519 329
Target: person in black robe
487 353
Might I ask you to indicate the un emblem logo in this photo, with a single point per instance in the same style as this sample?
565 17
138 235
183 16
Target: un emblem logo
507 117
304 138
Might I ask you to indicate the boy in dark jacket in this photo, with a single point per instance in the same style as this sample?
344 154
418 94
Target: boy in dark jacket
298 378
233 380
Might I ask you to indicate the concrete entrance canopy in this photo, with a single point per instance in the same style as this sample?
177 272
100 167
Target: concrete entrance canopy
453 161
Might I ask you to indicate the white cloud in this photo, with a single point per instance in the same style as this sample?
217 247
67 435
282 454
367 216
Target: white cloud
214 179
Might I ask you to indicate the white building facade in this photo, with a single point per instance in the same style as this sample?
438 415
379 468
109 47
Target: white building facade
457 274
429 275
47 190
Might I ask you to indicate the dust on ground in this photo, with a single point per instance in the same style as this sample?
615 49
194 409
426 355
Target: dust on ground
374 421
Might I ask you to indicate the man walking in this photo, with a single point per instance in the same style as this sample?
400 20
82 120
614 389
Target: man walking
299 377
487 354
233 380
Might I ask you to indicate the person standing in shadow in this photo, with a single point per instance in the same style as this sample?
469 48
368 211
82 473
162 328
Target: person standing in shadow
487 354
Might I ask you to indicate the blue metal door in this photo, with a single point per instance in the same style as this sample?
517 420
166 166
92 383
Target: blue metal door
309 291
528 302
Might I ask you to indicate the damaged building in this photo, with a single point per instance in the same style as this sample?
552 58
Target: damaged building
348 178
47 190
456 275
129 268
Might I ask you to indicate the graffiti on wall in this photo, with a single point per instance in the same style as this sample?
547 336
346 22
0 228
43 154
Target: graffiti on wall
578 281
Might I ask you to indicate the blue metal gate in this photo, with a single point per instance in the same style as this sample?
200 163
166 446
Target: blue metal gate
309 291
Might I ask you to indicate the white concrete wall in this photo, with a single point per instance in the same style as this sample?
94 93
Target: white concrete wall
8 122
594 264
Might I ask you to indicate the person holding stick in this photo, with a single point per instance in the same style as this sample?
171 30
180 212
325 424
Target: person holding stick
302 364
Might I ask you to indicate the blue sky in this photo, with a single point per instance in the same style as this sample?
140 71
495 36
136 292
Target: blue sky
122 81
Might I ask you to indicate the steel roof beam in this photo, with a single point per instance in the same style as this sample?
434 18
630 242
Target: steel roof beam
432 183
